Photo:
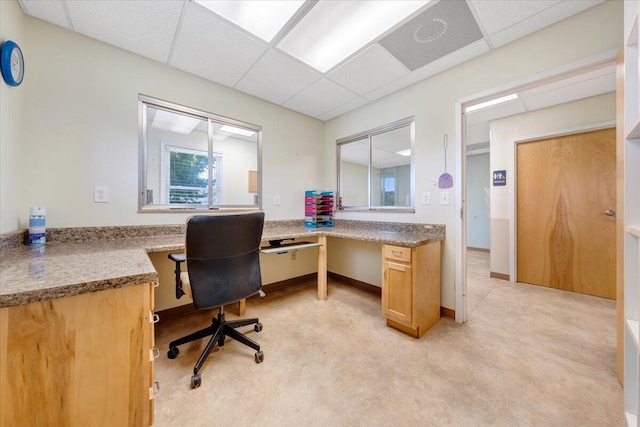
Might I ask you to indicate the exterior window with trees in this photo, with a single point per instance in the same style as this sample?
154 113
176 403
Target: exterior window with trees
193 160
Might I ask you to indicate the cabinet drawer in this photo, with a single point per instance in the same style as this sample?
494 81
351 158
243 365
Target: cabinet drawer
397 253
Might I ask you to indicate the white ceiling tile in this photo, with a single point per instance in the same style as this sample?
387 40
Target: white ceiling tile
498 15
435 67
502 110
143 27
351 105
609 71
210 48
541 20
319 98
47 10
372 68
477 133
276 78
572 92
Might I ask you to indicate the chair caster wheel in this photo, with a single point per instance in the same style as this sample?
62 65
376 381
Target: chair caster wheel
195 381
257 327
259 356
173 352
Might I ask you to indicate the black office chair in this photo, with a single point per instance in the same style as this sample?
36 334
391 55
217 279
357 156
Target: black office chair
223 267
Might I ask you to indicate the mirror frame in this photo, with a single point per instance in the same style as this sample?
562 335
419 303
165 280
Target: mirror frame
145 101
369 134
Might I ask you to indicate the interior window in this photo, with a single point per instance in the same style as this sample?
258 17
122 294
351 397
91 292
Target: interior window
196 160
376 168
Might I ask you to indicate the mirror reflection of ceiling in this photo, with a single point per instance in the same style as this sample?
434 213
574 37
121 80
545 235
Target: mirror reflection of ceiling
424 38
384 153
183 124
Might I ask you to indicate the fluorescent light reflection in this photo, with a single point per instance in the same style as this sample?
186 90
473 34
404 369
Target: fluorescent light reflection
333 30
262 18
174 122
236 130
492 102
405 153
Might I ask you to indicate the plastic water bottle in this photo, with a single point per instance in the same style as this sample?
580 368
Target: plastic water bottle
37 230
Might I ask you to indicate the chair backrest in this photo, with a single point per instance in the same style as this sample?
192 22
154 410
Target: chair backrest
223 260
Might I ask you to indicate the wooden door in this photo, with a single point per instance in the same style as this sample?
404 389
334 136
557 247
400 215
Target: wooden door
565 239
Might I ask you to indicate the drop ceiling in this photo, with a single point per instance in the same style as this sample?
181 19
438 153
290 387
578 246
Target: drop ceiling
433 38
591 83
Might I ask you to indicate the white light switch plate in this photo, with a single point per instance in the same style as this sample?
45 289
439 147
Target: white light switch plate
444 198
426 198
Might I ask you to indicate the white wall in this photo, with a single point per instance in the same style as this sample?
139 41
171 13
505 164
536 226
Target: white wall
504 135
355 182
431 101
478 182
80 99
12 27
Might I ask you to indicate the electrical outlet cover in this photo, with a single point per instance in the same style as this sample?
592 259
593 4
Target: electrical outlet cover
100 194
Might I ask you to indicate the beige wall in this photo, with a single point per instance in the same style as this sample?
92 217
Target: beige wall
12 27
274 268
504 135
81 105
431 101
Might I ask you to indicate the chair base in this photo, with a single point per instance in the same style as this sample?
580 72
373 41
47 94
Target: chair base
219 330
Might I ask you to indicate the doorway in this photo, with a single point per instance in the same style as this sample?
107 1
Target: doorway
544 90
565 216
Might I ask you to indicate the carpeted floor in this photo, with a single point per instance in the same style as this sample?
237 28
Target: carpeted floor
529 356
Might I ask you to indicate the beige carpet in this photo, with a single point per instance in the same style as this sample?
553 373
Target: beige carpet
527 356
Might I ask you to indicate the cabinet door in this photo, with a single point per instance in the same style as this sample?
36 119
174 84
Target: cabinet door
88 353
397 292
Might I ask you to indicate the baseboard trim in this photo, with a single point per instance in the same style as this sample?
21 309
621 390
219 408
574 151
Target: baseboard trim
367 287
495 275
183 310
448 313
174 312
471 248
276 286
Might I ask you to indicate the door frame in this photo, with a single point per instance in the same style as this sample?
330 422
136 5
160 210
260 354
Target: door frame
590 63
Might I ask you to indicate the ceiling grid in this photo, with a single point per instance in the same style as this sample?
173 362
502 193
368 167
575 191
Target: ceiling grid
431 37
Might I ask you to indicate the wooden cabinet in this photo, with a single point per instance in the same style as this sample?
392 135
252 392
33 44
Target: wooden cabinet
411 287
79 360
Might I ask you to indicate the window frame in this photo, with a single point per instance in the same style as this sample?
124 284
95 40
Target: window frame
144 102
368 135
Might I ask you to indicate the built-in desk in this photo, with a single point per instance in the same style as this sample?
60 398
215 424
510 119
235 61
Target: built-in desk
76 317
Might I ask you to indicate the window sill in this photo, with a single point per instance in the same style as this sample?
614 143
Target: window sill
383 210
193 210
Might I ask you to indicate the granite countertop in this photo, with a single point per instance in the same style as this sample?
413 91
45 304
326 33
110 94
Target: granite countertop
67 267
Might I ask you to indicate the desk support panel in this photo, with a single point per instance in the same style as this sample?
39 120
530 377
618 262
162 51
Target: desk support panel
322 268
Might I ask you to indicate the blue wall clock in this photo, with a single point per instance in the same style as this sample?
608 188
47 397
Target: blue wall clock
11 63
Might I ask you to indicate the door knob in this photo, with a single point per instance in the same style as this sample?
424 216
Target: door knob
610 212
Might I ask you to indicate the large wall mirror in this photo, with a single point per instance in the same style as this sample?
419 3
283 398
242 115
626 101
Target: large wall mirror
191 159
376 168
